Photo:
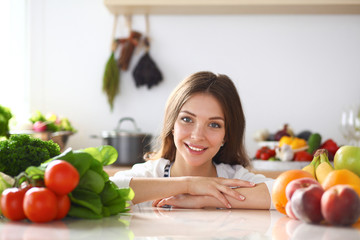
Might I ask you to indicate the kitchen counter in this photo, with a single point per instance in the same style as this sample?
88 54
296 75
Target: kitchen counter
144 222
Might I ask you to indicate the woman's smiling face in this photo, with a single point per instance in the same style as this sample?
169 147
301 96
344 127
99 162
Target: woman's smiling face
199 130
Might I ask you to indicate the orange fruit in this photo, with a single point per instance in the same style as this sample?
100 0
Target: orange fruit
341 176
278 192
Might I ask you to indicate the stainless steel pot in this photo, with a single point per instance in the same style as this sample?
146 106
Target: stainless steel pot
130 144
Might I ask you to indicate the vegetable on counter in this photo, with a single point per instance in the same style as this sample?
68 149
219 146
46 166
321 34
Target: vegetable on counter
5 116
95 196
285 153
293 142
71 184
303 156
314 142
21 151
51 122
265 153
331 146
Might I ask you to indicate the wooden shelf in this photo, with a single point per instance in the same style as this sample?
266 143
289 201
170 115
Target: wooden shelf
199 7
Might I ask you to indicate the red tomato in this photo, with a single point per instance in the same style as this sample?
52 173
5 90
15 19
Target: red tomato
61 177
12 203
63 206
40 204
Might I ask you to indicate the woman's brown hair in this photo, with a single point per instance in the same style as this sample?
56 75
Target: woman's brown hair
223 89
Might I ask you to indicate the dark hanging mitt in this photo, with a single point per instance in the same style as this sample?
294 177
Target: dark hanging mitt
146 72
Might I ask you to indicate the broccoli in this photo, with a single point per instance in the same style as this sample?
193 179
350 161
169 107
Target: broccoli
21 151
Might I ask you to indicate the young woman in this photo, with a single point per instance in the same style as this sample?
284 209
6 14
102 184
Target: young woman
202 160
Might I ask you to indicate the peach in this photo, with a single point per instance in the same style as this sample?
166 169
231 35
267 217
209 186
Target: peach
299 183
340 205
289 211
305 203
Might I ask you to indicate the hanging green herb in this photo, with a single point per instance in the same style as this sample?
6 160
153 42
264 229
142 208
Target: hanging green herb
111 80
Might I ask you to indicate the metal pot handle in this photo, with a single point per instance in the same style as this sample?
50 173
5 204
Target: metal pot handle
118 129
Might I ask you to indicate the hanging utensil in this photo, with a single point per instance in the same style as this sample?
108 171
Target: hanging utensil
128 46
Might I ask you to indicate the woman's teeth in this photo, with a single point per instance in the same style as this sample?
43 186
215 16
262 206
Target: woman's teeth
195 149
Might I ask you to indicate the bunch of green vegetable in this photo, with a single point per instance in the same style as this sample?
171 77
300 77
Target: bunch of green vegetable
95 196
5 116
21 151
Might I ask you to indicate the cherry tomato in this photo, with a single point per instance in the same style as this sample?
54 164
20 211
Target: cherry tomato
61 177
12 203
264 156
63 206
40 204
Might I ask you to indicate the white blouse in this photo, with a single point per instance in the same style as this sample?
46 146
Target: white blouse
156 168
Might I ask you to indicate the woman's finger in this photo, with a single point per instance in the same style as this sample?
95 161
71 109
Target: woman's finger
156 202
217 193
231 192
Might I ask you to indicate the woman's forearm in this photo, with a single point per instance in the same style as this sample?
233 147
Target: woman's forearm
147 189
257 197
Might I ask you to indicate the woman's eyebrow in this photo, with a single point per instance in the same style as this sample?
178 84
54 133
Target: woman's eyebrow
193 114
187 112
217 118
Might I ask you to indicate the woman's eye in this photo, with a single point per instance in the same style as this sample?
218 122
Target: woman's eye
186 119
215 125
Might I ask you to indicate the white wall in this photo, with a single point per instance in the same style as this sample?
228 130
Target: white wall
296 69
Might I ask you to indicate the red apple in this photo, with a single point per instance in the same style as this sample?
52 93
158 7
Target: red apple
340 205
299 183
305 203
39 126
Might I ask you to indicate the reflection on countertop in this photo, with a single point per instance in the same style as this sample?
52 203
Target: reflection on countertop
144 222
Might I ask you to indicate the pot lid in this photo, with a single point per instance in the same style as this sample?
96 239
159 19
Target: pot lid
118 131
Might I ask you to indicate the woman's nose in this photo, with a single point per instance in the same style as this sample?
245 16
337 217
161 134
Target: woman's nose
198 132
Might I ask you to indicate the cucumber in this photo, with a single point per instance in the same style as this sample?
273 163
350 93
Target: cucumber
314 142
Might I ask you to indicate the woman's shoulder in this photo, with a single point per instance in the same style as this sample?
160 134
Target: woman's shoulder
154 168
229 171
239 172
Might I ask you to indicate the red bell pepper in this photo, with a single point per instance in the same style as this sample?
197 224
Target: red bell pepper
303 156
331 146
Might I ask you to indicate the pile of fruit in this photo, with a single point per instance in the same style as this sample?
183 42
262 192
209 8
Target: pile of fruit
321 193
297 148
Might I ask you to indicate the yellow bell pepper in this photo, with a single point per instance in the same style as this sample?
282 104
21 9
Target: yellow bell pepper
285 140
298 143
293 142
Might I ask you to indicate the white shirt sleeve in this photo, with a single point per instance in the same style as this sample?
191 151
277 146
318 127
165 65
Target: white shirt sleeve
151 168
239 172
